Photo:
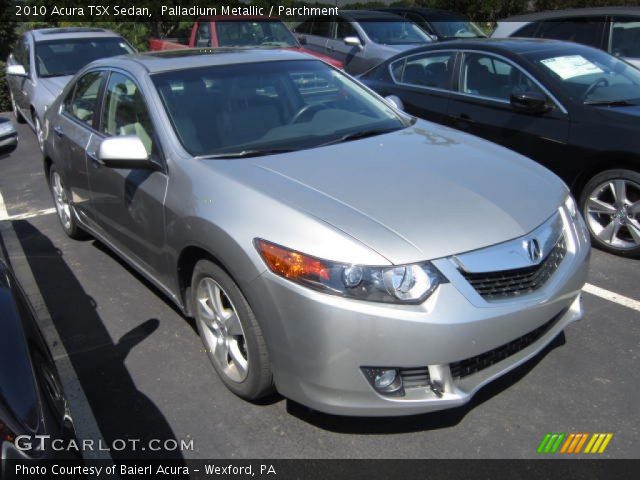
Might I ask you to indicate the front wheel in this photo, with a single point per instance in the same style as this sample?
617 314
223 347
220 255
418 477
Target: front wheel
63 206
230 332
610 203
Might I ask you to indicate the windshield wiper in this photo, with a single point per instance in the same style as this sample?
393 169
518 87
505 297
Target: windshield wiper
358 135
612 103
257 152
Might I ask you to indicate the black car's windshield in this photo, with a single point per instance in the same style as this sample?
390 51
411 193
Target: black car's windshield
457 29
65 57
394 33
244 33
262 108
592 77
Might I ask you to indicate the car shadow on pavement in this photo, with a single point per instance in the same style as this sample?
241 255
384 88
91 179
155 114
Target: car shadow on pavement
427 421
123 412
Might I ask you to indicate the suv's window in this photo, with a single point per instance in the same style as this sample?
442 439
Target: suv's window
488 76
321 27
125 111
426 70
82 100
251 33
585 30
625 37
203 35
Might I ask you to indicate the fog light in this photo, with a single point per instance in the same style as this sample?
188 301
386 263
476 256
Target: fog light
386 381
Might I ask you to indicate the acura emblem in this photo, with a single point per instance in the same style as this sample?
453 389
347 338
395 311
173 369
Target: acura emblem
534 250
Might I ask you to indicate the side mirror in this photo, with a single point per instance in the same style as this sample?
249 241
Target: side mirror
395 102
353 42
124 152
535 103
16 70
8 136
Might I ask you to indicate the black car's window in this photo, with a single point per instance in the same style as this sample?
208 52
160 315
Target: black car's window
490 77
528 31
125 111
65 57
203 35
584 30
82 100
625 37
345 29
590 76
321 27
286 104
431 69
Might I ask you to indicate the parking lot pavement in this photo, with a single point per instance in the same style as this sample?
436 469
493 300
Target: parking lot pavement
142 369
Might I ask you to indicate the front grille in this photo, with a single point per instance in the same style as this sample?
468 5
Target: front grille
510 283
472 365
415 377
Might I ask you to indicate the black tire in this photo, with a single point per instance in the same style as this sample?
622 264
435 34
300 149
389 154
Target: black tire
16 113
623 244
70 226
258 382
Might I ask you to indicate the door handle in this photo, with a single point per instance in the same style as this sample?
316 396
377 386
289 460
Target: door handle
58 131
95 161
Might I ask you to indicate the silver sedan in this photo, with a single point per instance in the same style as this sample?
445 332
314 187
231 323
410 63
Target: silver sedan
329 246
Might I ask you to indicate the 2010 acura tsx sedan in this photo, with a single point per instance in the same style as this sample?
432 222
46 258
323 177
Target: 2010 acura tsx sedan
329 246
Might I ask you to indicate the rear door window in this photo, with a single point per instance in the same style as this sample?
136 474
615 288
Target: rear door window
625 37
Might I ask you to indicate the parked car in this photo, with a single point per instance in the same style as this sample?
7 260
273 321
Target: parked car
572 108
8 136
613 29
44 60
225 31
314 249
32 400
360 39
439 24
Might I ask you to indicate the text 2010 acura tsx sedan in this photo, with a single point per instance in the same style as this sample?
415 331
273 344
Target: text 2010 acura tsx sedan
358 260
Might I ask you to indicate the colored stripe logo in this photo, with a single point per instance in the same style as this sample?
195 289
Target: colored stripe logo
573 443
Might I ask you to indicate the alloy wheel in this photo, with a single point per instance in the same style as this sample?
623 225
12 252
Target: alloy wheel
60 199
612 211
222 330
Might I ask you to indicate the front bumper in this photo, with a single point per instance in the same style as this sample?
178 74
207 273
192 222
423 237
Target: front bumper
318 343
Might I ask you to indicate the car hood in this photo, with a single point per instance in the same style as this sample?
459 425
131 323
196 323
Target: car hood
420 193
55 85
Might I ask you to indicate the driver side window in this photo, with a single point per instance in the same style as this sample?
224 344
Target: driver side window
125 111
81 101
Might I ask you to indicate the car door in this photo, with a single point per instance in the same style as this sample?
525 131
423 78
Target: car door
424 83
624 38
72 132
482 107
128 204
349 55
313 35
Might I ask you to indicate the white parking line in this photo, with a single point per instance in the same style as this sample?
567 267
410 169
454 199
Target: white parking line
612 297
24 216
3 210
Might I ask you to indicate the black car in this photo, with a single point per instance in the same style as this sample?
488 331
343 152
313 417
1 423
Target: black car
8 136
32 401
573 108
439 24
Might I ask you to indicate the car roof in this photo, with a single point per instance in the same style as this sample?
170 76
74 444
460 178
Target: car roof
44 34
504 46
371 15
433 14
154 62
573 12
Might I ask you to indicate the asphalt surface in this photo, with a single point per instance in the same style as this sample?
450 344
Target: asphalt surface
145 375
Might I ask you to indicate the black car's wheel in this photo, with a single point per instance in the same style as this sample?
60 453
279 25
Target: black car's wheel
14 108
63 206
610 203
230 333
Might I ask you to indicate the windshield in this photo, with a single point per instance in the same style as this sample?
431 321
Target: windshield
591 76
244 34
65 57
283 105
457 29
394 33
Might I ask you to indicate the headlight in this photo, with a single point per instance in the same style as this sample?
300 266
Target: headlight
391 284
572 208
